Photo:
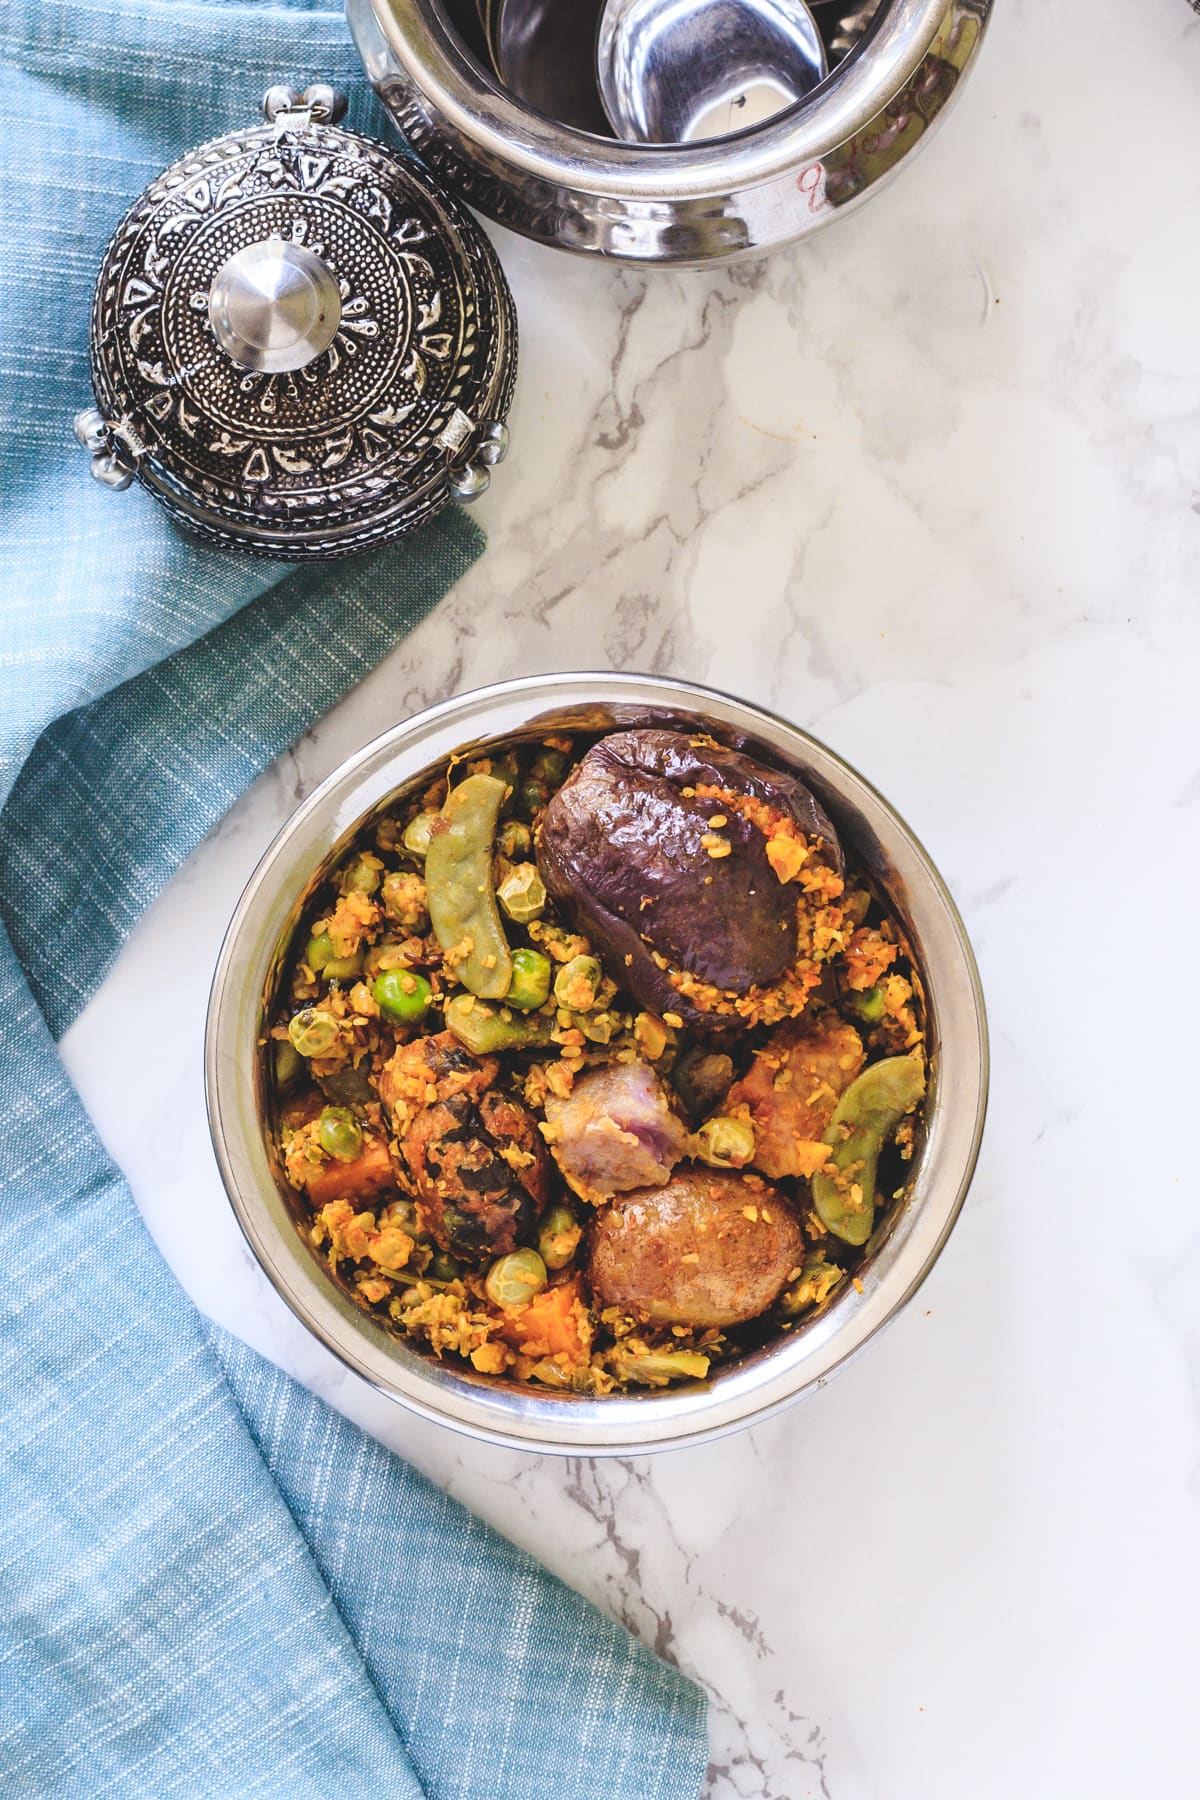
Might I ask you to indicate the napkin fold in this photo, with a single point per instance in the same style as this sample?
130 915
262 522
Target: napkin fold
211 1585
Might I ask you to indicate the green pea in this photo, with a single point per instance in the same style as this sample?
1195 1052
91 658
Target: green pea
507 769
405 900
461 897
485 1031
515 1279
530 980
443 1267
416 833
404 1214
530 798
864 1118
549 766
515 840
339 1132
656 1367
313 1032
577 983
522 894
599 1027
558 1237
322 959
867 1007
725 1143
319 951
402 996
362 875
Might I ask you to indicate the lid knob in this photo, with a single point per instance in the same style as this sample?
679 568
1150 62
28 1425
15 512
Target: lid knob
274 306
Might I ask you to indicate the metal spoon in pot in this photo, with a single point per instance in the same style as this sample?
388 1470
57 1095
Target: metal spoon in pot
676 71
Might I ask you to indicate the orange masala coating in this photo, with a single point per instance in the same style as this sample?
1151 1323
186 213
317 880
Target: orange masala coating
791 1089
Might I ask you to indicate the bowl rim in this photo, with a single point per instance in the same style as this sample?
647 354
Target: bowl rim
760 1385
458 89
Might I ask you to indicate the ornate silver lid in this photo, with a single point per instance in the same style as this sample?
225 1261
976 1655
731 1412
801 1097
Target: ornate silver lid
300 344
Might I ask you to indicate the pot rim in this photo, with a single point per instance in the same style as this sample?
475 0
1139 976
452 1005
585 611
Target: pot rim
458 90
761 1384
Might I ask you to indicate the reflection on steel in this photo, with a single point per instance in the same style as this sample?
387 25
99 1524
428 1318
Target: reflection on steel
672 72
676 204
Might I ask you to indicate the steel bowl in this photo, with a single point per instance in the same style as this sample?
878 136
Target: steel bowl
254 955
679 204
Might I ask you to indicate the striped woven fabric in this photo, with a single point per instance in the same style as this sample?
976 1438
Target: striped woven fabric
211 1586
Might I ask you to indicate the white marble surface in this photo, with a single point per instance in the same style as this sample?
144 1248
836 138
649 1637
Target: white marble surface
928 484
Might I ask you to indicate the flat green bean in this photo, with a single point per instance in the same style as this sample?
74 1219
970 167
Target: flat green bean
817 1280
863 1120
461 895
288 1063
660 1366
484 1029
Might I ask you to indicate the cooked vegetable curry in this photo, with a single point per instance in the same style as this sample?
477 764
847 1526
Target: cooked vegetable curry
597 1063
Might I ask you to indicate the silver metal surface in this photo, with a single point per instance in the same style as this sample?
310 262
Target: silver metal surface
681 71
843 23
677 204
300 344
112 464
91 429
253 957
322 102
274 306
544 52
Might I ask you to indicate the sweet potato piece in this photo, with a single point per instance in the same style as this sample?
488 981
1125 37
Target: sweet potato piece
868 958
369 1173
555 1323
791 1089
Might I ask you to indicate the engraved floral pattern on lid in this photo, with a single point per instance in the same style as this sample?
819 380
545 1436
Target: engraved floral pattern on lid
402 408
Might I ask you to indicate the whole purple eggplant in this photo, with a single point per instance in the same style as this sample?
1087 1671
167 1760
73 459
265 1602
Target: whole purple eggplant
627 846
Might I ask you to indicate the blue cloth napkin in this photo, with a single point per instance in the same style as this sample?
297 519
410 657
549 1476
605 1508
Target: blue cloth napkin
211 1586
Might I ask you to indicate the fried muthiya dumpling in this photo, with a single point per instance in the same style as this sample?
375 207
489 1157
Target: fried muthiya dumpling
678 857
474 1153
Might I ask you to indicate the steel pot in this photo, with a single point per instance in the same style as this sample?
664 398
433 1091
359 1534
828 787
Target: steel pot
684 204
257 944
